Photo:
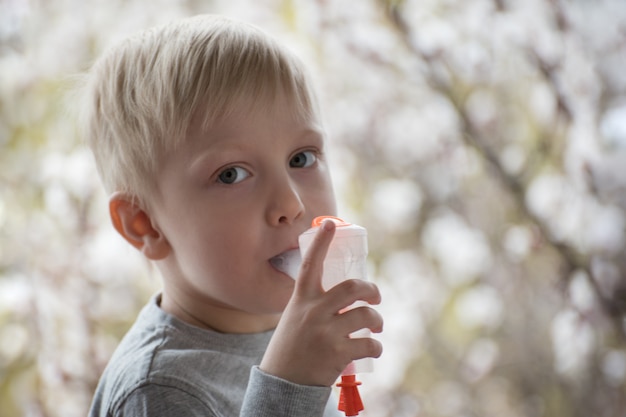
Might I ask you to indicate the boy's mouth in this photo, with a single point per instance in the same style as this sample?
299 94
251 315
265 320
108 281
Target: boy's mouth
288 262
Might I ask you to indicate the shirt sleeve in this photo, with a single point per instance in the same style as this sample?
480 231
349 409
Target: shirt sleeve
153 400
270 396
266 396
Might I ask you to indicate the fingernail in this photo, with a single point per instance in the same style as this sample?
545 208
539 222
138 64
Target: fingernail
327 225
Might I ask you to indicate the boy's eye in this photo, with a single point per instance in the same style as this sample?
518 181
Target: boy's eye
232 175
303 159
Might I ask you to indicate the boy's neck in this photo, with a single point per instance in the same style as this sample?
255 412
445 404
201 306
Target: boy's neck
219 319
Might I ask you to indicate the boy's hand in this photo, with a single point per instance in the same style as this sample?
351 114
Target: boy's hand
311 345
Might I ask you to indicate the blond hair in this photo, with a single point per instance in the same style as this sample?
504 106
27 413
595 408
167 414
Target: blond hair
143 94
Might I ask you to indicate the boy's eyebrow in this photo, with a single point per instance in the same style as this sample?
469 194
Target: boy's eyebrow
199 159
313 133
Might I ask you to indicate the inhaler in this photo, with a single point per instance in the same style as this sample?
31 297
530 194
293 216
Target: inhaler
346 259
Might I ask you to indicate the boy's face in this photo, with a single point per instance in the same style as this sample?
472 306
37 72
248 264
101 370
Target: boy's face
231 199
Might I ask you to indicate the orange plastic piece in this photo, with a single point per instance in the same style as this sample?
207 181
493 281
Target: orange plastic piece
349 399
320 219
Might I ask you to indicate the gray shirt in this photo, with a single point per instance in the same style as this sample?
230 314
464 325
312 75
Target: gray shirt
165 367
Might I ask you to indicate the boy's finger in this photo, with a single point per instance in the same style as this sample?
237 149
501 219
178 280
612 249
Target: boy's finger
310 277
365 348
350 291
357 319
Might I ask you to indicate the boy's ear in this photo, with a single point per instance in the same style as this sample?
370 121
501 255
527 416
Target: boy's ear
135 225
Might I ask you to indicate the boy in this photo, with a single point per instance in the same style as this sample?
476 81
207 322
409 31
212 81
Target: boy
207 136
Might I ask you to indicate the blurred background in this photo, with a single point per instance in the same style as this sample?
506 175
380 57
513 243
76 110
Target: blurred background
481 142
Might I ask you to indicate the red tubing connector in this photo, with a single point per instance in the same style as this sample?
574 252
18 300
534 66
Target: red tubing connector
349 399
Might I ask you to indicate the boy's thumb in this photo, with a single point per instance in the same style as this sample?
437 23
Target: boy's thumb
310 277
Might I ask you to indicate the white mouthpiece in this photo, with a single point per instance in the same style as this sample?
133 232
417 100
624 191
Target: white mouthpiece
288 262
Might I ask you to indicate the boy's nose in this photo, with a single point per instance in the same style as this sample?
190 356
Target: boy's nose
285 204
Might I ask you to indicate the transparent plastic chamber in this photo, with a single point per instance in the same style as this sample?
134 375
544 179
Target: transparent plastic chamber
346 259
